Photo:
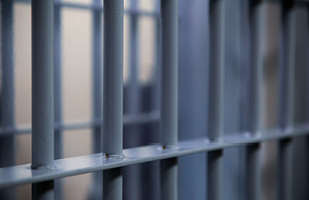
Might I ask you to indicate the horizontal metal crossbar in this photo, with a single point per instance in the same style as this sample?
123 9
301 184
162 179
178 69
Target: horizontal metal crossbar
97 7
129 119
23 174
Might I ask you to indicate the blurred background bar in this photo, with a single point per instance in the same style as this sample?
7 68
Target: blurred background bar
58 133
257 30
97 96
7 112
216 97
286 104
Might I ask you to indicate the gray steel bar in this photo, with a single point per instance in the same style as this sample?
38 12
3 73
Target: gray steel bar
57 94
43 190
97 94
245 63
97 78
133 174
286 110
169 96
287 64
112 184
244 88
255 118
154 168
42 83
193 94
216 69
113 95
134 89
57 82
216 97
285 169
253 172
215 174
113 84
169 178
157 60
169 72
42 93
7 114
255 122
22 174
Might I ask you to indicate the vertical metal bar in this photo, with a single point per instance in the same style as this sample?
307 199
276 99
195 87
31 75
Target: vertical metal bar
154 191
97 78
253 172
57 82
193 94
169 96
169 173
134 89
215 175
255 115
7 118
244 89
286 110
42 83
113 95
287 63
216 97
234 84
57 95
157 60
42 93
216 69
285 168
97 91
245 62
300 101
133 173
256 71
113 83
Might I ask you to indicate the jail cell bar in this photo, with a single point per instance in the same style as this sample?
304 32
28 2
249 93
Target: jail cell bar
7 155
42 94
216 97
169 96
113 95
134 180
286 99
255 121
97 91
58 132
